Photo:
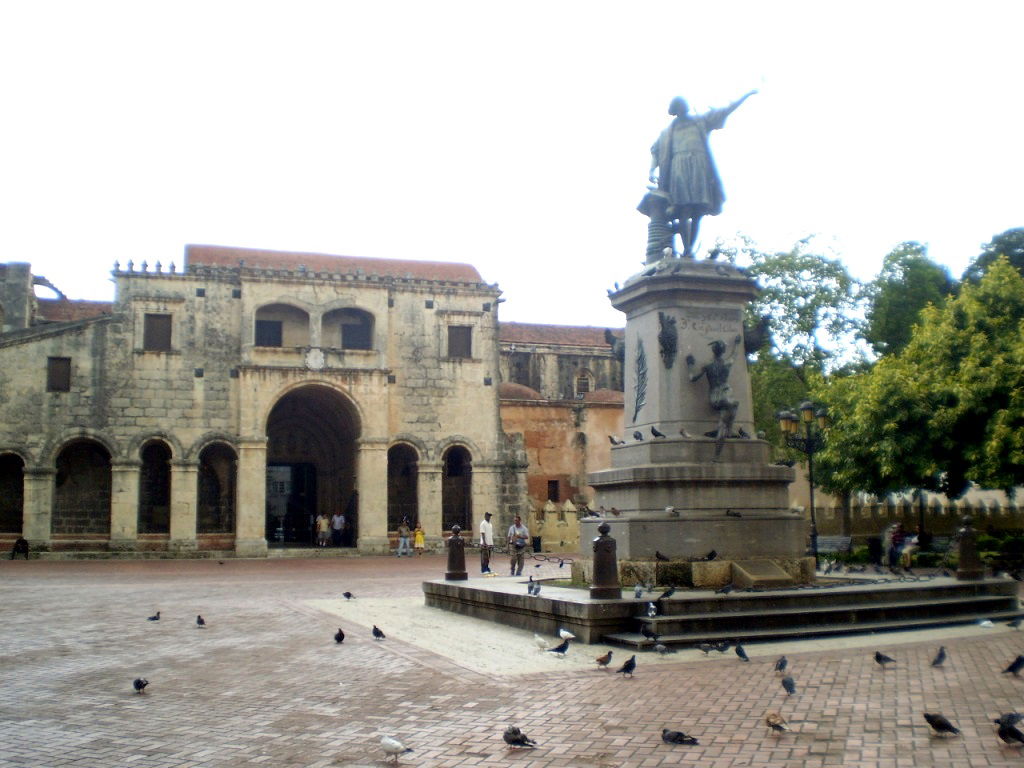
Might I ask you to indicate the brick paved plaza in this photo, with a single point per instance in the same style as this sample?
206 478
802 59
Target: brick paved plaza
265 684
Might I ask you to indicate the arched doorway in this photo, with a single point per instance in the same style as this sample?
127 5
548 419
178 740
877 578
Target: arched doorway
311 465
403 472
218 473
457 489
155 488
81 499
12 493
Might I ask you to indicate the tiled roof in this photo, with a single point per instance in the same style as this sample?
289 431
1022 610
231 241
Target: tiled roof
66 310
568 335
508 390
604 396
224 256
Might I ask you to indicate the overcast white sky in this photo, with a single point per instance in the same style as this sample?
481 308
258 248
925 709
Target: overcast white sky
512 136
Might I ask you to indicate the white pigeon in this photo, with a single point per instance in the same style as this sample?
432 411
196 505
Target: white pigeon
540 642
393 747
565 634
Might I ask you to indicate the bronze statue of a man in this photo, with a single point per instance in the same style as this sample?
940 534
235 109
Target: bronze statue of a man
719 391
682 167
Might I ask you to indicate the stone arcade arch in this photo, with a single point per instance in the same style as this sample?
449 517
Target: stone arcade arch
311 464
403 478
457 489
217 491
12 493
82 488
155 488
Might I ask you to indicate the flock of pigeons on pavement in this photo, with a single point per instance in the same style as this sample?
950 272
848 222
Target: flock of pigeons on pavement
1006 723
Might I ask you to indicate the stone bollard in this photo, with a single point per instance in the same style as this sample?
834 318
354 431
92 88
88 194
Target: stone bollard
605 583
970 565
456 557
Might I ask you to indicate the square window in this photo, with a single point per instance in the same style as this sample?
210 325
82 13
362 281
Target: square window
268 333
156 333
460 341
58 374
553 490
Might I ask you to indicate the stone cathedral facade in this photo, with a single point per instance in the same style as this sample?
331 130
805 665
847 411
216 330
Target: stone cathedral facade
220 406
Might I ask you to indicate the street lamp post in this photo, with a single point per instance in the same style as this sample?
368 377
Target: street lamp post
809 443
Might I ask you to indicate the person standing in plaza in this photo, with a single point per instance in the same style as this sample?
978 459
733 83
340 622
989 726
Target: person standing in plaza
486 543
323 529
337 526
418 539
518 536
403 538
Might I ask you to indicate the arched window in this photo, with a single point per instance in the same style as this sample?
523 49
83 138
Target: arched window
583 383
81 499
217 472
348 329
281 325
12 493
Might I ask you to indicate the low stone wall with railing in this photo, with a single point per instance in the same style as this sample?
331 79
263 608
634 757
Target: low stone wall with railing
940 519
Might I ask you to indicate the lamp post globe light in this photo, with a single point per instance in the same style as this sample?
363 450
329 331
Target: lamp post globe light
808 441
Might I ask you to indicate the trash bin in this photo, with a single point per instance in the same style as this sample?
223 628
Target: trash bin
875 549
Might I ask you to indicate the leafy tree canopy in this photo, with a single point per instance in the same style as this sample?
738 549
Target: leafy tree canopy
909 281
1009 244
947 410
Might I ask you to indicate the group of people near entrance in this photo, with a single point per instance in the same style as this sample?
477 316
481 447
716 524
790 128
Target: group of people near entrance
517 538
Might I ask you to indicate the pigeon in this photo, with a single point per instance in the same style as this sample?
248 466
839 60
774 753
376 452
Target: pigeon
656 432
652 610
742 653
516 738
776 722
154 617
940 724
139 684
540 642
200 622
789 685
677 737
347 595
723 647
339 636
604 660
882 659
638 591
1015 667
638 435
661 557
940 657
393 747
706 647
711 555
613 441
731 513
628 668
781 664
1015 624
565 634
1010 734
560 649
667 593
377 634
724 590
536 589
663 649
648 633
1010 718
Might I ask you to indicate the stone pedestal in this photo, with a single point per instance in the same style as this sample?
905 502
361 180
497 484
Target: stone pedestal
677 488
456 557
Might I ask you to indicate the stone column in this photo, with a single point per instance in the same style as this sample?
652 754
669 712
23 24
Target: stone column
184 503
487 495
251 498
124 505
37 506
372 480
428 490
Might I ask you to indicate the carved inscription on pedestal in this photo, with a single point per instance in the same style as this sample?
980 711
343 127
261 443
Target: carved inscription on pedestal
710 322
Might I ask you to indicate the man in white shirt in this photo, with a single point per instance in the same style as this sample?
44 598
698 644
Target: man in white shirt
486 543
518 536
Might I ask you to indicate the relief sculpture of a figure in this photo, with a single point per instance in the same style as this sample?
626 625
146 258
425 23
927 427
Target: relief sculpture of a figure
719 392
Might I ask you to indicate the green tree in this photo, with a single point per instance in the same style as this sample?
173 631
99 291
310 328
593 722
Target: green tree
947 410
909 281
1009 244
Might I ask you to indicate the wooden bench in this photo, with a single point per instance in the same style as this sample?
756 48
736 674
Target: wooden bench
837 544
